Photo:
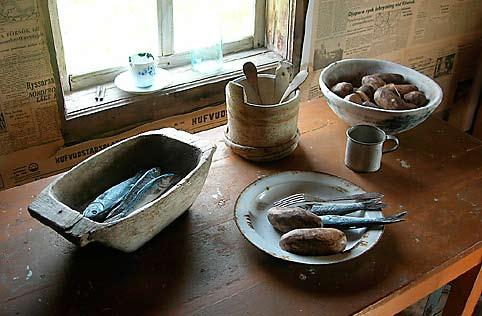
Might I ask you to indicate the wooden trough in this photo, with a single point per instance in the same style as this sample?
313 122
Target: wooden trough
60 204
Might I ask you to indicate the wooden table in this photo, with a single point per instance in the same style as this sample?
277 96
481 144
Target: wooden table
202 265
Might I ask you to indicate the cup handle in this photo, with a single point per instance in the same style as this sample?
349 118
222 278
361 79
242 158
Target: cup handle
394 147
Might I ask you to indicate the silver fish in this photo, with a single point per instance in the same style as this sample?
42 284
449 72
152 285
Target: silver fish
107 201
286 219
342 208
132 193
152 190
341 222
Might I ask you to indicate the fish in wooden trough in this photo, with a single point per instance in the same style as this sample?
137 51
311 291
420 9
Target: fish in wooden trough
140 197
146 177
107 201
285 219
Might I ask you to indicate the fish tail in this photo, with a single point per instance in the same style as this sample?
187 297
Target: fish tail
114 218
396 217
116 210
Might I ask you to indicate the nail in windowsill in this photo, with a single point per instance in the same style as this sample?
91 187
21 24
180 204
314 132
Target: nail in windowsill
100 93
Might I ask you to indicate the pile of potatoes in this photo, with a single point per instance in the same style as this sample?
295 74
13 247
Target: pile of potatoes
303 232
382 90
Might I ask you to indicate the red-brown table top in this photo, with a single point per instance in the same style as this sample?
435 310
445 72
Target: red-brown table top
201 264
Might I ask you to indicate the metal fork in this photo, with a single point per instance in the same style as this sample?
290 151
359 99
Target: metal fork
303 198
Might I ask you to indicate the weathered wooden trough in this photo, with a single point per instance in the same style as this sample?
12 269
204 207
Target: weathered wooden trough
60 205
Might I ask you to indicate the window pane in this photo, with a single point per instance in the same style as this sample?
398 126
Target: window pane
99 34
236 19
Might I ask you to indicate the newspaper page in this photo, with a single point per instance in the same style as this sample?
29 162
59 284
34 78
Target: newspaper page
436 19
426 35
436 61
28 108
48 159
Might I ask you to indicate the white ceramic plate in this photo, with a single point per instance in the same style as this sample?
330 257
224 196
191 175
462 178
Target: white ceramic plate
125 82
253 203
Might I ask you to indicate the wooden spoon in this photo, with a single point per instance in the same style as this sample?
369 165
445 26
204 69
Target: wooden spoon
251 74
297 81
281 82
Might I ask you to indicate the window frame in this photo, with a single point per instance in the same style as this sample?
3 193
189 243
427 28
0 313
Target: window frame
166 58
284 31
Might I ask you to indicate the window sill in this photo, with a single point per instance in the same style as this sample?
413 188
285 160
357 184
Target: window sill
189 91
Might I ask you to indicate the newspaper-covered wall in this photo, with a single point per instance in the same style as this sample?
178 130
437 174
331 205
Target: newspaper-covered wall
28 108
441 38
44 160
435 37
31 143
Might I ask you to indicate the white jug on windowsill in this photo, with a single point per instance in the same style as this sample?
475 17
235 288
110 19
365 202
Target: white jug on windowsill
143 69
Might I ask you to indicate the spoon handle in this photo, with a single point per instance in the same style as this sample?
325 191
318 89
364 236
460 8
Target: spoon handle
251 74
281 82
297 81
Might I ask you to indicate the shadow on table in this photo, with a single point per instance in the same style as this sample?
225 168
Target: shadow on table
354 276
100 280
299 160
396 174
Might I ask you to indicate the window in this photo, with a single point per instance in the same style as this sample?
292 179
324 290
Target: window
98 35
92 39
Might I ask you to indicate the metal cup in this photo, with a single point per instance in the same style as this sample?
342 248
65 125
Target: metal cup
364 147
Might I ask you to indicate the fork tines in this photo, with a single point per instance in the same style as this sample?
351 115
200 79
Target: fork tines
303 198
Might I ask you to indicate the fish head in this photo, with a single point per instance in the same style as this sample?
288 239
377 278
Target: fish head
93 210
155 172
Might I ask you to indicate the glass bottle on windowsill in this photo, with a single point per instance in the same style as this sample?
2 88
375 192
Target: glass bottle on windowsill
207 51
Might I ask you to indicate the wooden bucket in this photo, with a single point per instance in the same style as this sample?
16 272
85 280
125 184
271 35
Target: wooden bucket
271 127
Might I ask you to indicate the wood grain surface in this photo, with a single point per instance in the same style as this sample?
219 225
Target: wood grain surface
202 265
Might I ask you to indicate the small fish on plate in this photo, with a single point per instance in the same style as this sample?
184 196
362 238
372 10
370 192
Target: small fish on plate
286 219
98 209
343 208
345 222
147 193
